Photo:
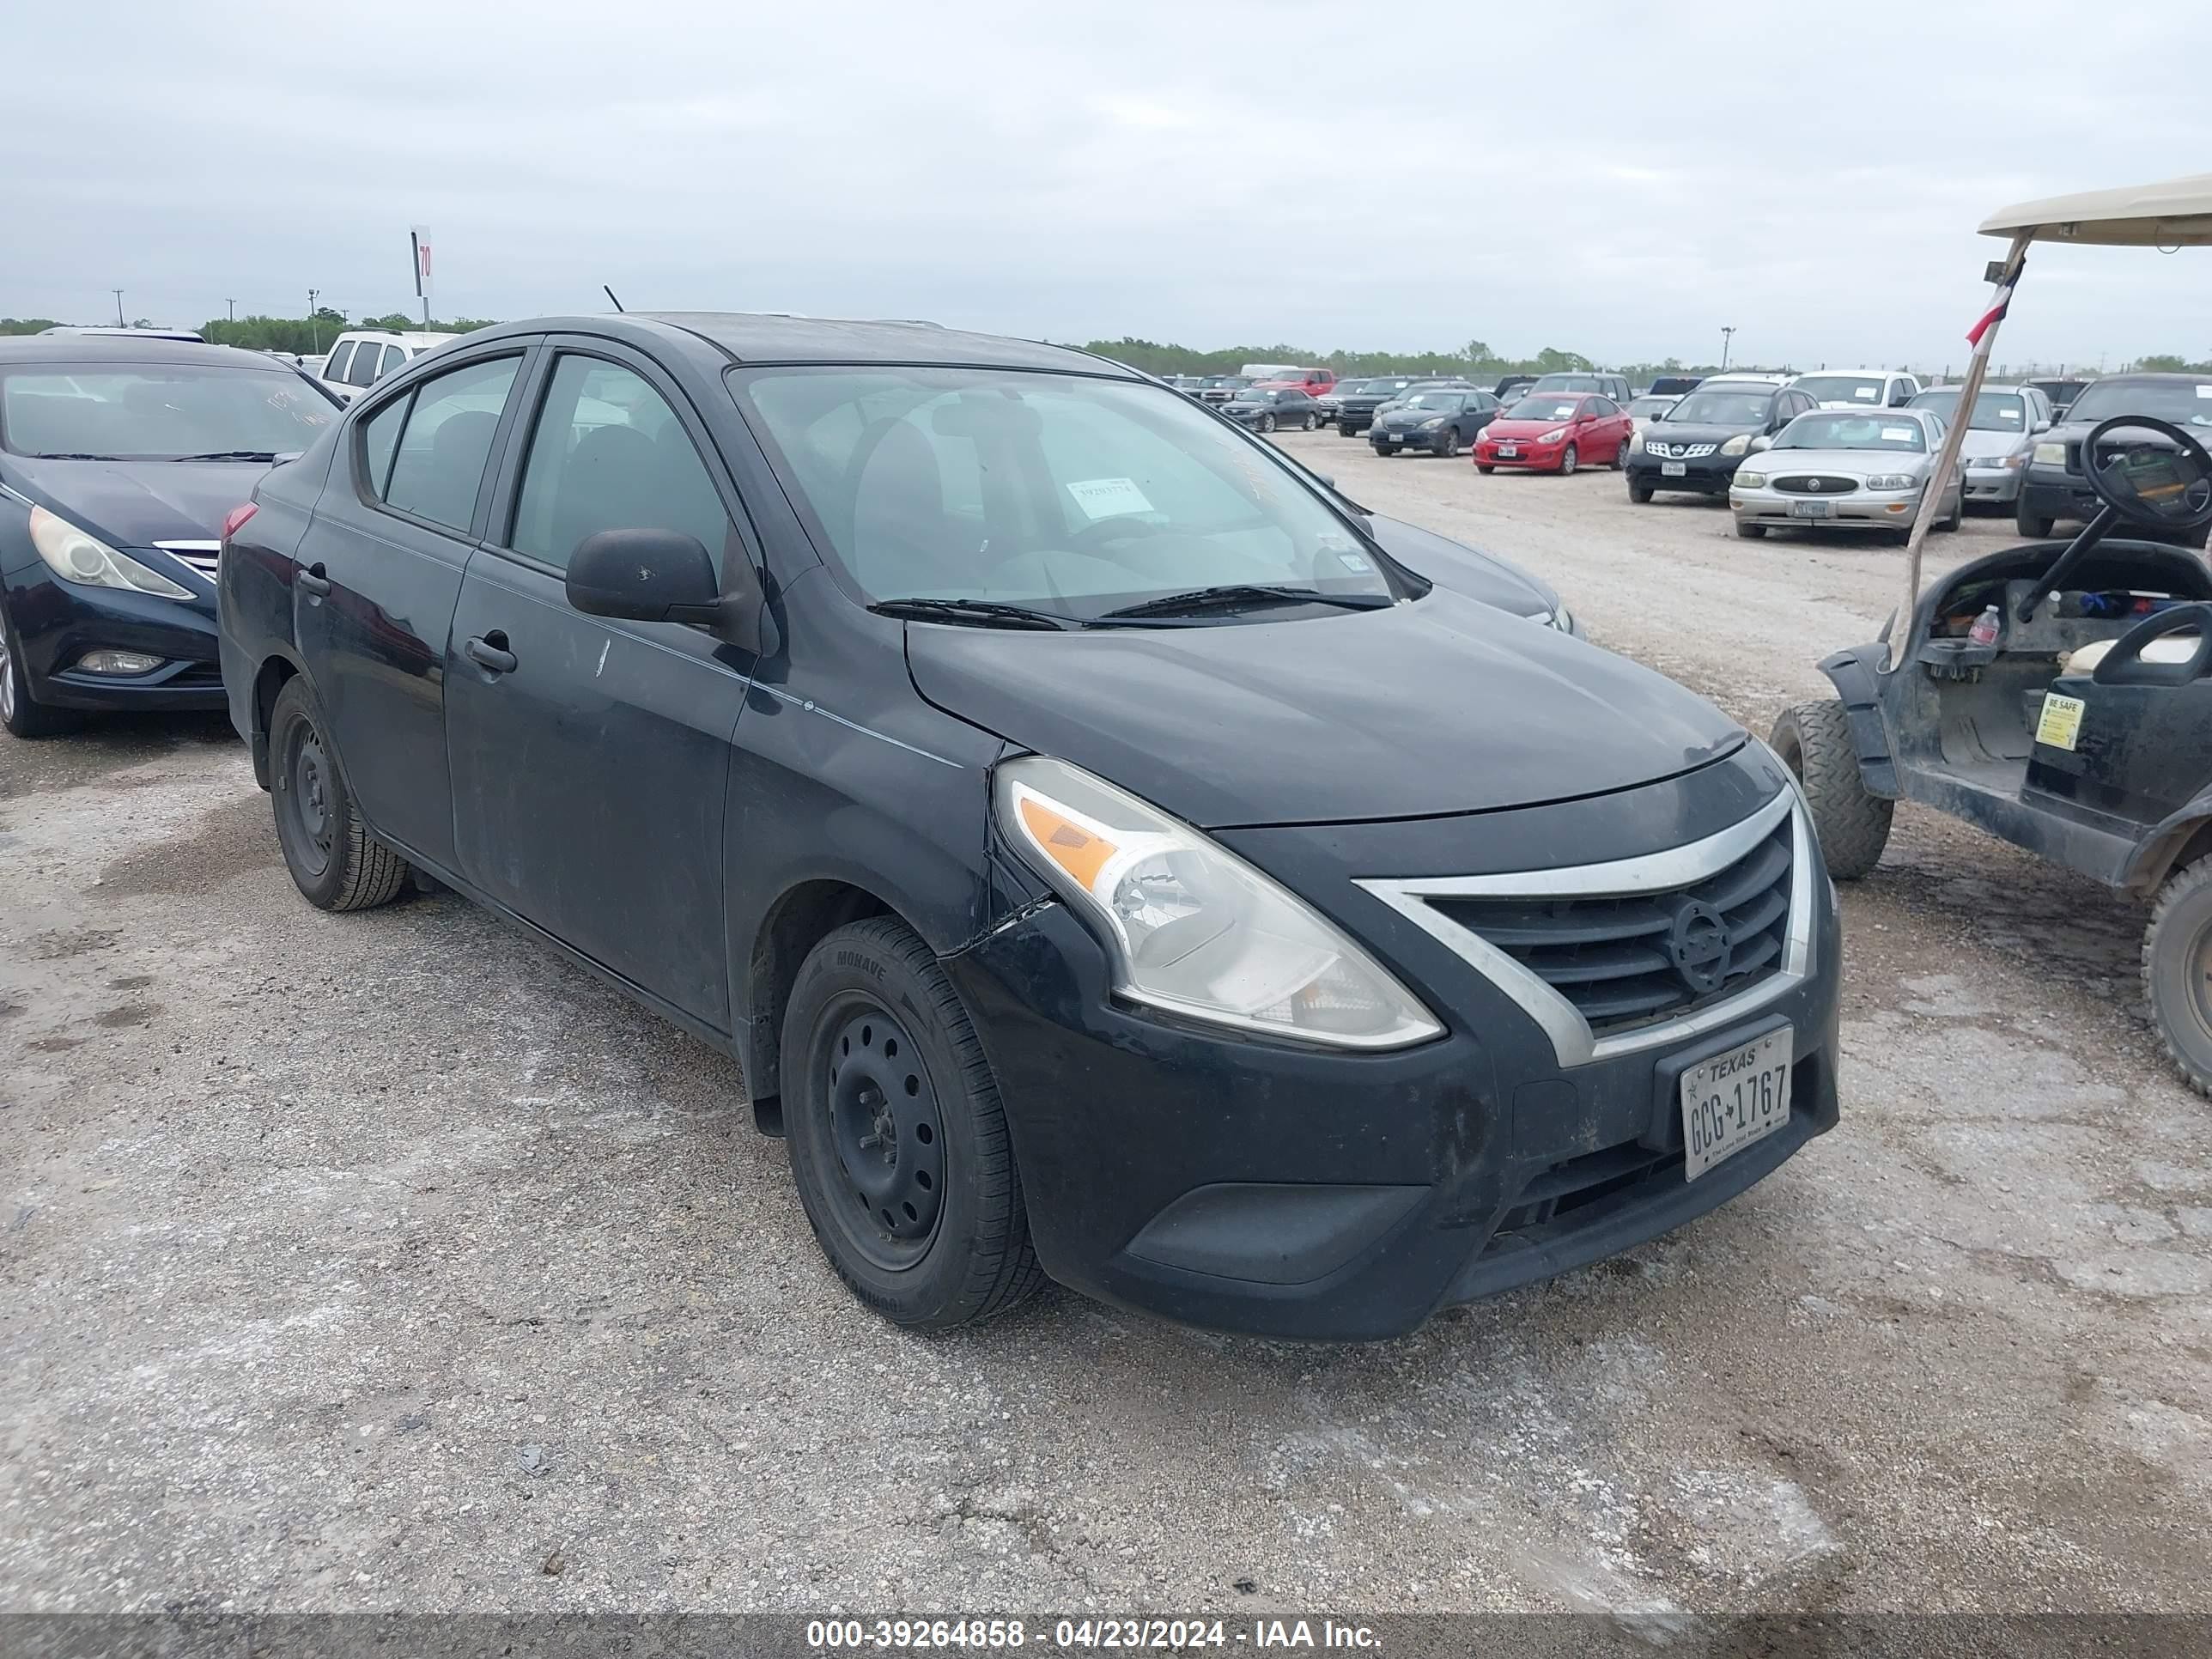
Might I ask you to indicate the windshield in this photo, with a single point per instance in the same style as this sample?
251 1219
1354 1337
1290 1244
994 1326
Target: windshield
1348 388
1065 494
157 411
1253 394
1544 409
1841 388
2179 401
1650 407
1994 411
1568 383
1435 400
1716 407
1841 429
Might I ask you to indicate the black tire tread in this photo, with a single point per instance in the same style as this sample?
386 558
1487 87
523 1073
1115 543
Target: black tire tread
1004 1272
34 720
2179 888
373 873
1851 821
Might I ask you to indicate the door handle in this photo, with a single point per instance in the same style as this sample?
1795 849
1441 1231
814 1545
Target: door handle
311 580
490 652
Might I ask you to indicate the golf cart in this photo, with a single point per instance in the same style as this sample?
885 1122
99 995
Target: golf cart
2058 693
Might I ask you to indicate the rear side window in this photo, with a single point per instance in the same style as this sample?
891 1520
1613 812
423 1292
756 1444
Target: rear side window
438 462
340 356
380 439
609 453
362 370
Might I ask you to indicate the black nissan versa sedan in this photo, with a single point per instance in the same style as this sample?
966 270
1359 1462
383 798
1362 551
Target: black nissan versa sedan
1106 860
118 457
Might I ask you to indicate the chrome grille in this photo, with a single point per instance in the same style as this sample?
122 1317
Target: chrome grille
203 556
1812 483
1683 452
1618 958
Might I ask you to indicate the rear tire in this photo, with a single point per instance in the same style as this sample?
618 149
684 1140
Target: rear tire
2177 971
1851 821
335 862
2034 527
1620 462
1312 420
1639 493
897 1140
22 713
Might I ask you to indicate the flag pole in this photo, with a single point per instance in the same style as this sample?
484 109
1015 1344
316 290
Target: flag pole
1955 439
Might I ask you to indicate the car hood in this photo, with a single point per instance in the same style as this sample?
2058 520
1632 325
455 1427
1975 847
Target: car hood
1405 415
1441 706
1503 428
1979 445
1852 463
1466 571
137 503
1694 432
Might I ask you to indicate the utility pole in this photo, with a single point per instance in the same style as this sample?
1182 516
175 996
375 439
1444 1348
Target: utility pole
120 322
232 304
1728 332
314 324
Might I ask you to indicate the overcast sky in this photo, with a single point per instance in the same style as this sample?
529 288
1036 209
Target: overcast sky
1620 180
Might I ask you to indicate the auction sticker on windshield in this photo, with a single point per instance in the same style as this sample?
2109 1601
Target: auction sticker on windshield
1734 1099
1103 498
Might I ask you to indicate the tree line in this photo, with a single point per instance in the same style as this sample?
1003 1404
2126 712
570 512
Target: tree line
1475 359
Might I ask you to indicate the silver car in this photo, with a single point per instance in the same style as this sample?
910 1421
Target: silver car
1999 439
1844 469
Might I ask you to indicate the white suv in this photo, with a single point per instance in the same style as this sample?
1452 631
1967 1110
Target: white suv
366 356
1859 388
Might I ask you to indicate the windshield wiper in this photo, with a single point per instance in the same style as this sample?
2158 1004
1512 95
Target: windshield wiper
241 455
72 455
1236 595
982 613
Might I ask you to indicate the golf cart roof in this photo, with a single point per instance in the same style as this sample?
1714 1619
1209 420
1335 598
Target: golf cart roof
2176 213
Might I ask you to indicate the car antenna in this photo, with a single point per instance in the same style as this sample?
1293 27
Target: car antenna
609 293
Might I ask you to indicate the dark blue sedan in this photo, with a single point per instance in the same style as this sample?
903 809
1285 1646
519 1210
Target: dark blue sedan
119 458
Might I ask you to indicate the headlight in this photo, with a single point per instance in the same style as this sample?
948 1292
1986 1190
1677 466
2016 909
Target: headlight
76 556
1891 480
1739 445
1194 928
1635 441
2050 454
1750 480
1553 435
2017 458
1432 424
1563 619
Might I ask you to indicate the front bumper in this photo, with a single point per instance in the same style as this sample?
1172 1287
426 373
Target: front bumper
1861 510
2049 492
1261 1188
56 621
1997 484
1528 457
1350 421
1407 438
1705 474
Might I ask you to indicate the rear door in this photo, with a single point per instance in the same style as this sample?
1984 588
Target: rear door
378 574
590 758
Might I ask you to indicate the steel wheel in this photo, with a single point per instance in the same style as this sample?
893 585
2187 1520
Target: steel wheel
887 1132
304 791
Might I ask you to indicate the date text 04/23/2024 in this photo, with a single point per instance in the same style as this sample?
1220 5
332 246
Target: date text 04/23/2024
1171 1635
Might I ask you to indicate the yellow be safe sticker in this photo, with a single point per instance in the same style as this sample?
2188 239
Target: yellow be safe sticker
2061 724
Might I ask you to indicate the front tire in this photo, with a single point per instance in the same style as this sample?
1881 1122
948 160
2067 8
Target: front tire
335 862
1267 423
1485 468
1852 822
1639 492
1570 458
898 1143
1750 533
1449 448
2033 525
20 712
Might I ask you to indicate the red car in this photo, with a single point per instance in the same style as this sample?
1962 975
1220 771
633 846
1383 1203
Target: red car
1311 381
1555 432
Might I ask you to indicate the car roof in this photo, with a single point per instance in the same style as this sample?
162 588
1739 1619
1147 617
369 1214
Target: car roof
1805 374
770 337
404 336
90 348
1766 382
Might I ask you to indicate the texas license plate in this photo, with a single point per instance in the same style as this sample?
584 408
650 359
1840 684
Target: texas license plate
1808 509
1507 452
1731 1100
1672 470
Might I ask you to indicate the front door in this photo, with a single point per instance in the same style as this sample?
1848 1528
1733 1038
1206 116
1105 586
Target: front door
393 530
591 758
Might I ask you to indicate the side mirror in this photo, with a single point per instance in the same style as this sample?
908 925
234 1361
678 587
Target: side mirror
645 575
2040 426
1761 442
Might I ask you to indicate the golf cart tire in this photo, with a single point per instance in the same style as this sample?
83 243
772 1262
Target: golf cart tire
2174 944
1850 821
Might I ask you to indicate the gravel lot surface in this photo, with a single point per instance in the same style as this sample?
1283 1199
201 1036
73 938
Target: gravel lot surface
382 1261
